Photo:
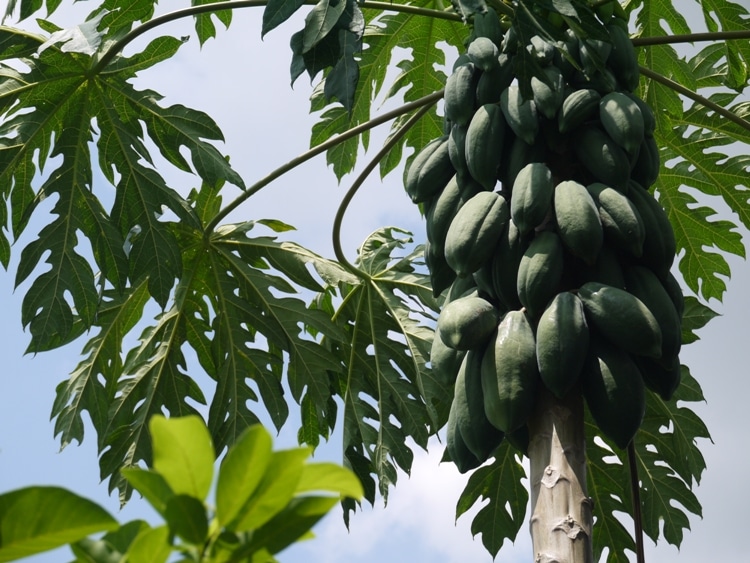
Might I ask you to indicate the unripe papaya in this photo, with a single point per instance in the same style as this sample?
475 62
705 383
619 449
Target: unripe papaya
441 274
531 199
518 154
520 114
456 448
444 361
457 148
441 212
487 24
603 158
484 144
659 246
467 322
483 53
622 119
578 107
675 294
539 272
505 263
548 93
578 220
562 341
460 94
509 373
622 59
606 270
613 388
621 222
646 167
492 82
429 172
479 435
475 231
644 284
662 380
621 318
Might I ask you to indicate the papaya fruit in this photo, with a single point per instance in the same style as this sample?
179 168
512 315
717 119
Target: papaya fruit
467 322
621 318
577 108
578 222
644 284
646 166
505 263
614 392
621 222
460 94
487 25
484 144
455 447
518 153
475 231
492 82
542 50
461 287
441 274
603 158
662 380
509 373
479 435
594 54
649 120
674 290
539 272
441 212
548 92
562 341
659 246
457 148
531 199
520 114
606 269
444 361
622 119
429 171
622 59
483 53
519 439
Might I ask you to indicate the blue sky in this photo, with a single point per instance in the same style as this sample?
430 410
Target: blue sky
243 83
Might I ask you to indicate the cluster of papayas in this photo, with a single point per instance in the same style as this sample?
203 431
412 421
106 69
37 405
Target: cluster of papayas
544 235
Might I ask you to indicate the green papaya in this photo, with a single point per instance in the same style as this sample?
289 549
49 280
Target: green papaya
492 83
542 50
578 222
475 231
622 59
455 447
444 361
646 167
548 92
457 148
577 108
659 246
467 322
606 269
614 392
479 435
562 341
644 284
675 294
649 120
441 274
603 158
461 287
518 153
662 380
460 94
441 212
540 272
622 119
519 439
505 263
483 53
509 373
621 222
429 171
520 114
484 144
594 54
531 199
621 318
487 25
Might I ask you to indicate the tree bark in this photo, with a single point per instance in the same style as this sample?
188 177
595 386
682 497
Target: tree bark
561 510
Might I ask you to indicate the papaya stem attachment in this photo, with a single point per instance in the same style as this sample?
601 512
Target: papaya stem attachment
316 150
394 138
688 93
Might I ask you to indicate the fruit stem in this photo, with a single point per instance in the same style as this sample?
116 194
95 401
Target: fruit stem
387 146
316 150
687 92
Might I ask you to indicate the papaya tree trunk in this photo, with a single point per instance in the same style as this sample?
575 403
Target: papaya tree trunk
561 510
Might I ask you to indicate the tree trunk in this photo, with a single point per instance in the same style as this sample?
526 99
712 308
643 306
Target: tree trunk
561 510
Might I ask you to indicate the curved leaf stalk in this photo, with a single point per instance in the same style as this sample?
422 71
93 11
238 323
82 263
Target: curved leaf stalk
635 489
318 149
690 38
387 146
119 45
687 92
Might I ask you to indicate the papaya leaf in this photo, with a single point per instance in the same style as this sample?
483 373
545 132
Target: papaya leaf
669 465
385 352
501 484
420 74
724 15
695 316
277 12
204 25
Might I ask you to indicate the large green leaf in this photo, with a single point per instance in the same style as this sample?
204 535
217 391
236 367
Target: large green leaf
385 316
501 484
37 519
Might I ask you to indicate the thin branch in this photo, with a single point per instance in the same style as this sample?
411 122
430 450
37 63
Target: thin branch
318 149
635 489
387 146
119 45
690 38
688 93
